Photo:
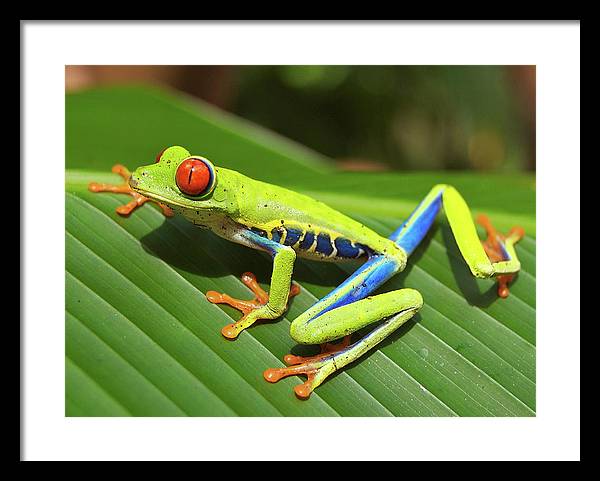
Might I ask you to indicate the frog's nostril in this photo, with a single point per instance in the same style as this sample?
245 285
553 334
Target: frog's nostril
133 182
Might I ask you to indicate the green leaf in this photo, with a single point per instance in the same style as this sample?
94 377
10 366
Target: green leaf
142 340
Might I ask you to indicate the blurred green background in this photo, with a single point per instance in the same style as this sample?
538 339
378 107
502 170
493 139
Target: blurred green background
369 118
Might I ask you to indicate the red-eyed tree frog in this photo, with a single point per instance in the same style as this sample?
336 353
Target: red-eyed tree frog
286 225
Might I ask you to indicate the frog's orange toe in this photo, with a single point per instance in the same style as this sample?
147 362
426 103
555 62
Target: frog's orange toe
273 374
261 298
230 331
315 368
214 297
290 359
503 281
303 390
94 187
518 232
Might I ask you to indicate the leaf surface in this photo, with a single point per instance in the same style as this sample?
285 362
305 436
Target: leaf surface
142 340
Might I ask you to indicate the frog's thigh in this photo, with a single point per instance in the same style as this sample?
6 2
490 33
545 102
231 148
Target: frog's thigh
395 306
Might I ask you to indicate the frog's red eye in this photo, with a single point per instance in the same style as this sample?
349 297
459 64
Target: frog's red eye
159 156
195 176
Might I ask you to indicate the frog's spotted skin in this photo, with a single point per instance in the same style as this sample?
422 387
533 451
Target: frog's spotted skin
287 224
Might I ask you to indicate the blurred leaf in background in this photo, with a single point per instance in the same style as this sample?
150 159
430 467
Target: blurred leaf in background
413 117
369 117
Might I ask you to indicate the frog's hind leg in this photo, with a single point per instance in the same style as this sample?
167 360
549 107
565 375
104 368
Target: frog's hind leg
496 250
138 199
339 314
494 257
395 307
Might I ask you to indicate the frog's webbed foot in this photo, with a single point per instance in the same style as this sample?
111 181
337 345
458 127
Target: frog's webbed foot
494 248
249 308
138 199
326 349
316 368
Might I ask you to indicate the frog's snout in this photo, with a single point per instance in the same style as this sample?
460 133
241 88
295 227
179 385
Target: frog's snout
139 178
133 181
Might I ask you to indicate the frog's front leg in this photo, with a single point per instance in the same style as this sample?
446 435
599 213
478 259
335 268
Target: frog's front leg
138 199
265 305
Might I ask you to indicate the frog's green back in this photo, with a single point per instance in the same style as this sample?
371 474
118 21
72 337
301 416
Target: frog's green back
287 215
310 227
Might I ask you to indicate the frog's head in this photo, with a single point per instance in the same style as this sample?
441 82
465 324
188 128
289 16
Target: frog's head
186 183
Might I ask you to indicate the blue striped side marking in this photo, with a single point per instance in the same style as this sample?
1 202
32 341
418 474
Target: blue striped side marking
307 242
324 244
345 248
292 236
348 249
276 234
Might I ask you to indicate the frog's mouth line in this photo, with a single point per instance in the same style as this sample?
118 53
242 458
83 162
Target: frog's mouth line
151 195
134 184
